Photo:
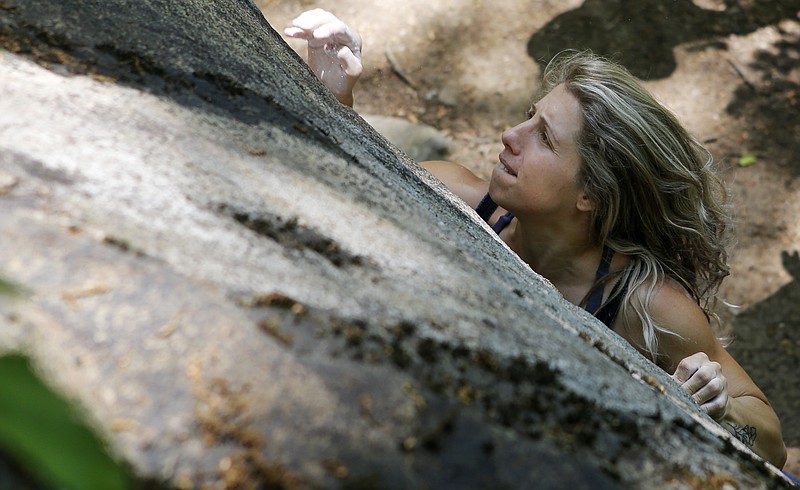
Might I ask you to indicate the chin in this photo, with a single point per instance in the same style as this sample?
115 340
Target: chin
496 191
494 179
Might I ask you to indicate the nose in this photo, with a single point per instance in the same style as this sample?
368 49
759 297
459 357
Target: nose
510 138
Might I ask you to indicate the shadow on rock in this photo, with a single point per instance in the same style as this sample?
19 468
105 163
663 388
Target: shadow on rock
767 344
771 105
642 33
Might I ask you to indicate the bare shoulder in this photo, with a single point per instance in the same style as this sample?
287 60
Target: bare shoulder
459 180
672 307
686 328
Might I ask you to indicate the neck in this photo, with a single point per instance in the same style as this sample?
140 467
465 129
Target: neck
566 255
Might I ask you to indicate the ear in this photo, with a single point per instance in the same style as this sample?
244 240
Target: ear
584 203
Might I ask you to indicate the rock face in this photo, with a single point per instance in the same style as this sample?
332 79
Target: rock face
242 283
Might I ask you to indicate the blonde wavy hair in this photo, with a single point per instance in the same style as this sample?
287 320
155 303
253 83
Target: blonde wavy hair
658 198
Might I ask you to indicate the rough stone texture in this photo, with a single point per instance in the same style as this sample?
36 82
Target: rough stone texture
241 281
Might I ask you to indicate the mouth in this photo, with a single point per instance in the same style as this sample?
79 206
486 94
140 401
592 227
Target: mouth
507 169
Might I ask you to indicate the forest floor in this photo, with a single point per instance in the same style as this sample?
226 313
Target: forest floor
729 69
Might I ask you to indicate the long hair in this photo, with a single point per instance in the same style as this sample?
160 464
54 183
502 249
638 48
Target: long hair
656 192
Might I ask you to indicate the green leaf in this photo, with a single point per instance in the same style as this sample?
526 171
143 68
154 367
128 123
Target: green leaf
41 430
8 288
747 160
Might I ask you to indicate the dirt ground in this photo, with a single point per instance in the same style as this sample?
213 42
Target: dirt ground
730 70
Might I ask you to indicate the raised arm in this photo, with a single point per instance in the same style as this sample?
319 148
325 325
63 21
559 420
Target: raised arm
713 378
334 55
334 51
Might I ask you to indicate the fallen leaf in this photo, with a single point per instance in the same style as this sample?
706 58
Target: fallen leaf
747 160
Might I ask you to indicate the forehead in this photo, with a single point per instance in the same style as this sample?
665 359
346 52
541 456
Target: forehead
563 113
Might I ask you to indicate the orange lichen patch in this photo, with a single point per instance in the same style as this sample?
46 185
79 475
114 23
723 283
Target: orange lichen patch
222 417
277 300
414 395
709 482
337 469
250 470
652 381
169 328
41 52
367 406
409 443
103 78
7 183
467 394
222 414
124 425
86 292
486 360
256 152
272 327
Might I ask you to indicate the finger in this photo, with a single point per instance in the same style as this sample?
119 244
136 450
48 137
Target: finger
295 32
351 39
686 368
338 32
702 377
688 365
710 391
717 407
350 62
313 19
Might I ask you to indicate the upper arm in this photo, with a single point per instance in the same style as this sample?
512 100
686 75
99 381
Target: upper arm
459 180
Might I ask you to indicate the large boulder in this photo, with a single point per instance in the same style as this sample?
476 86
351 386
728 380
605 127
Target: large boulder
243 284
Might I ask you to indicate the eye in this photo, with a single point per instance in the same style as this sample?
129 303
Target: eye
544 137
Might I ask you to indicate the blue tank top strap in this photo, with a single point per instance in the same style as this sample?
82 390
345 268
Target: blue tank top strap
596 299
609 312
502 222
486 208
606 313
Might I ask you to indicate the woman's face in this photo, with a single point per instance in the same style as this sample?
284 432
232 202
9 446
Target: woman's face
540 164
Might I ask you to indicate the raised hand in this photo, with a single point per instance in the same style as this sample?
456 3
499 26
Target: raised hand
702 378
334 51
